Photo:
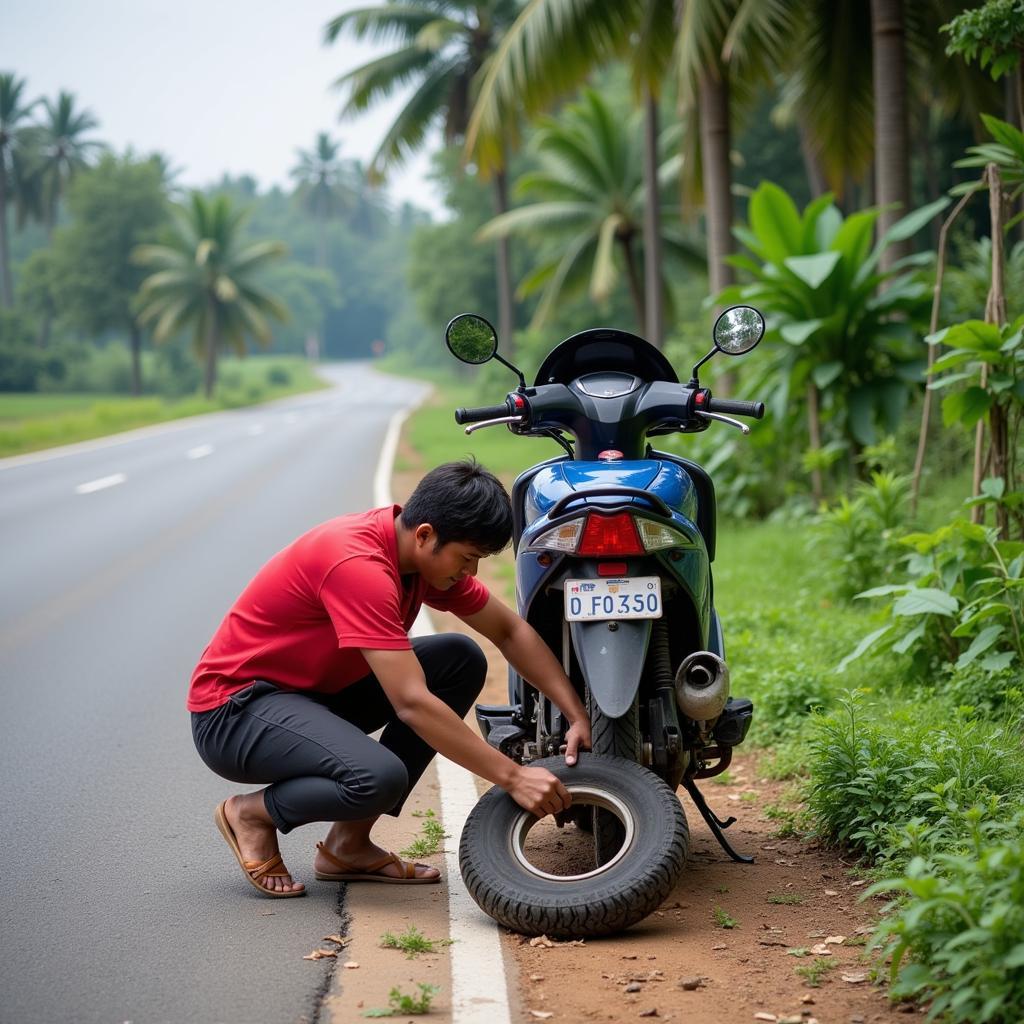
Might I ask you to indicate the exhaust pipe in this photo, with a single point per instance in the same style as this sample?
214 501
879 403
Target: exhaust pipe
702 686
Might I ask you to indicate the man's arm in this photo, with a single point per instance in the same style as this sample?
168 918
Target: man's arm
522 647
401 677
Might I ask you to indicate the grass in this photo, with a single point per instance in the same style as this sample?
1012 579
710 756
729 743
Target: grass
815 972
786 899
412 942
29 422
723 920
402 1004
430 840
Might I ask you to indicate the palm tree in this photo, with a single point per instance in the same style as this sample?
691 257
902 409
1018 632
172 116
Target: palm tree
591 202
204 281
554 45
62 150
443 44
13 112
322 188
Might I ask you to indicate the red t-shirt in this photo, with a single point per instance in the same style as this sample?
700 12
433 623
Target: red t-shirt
302 620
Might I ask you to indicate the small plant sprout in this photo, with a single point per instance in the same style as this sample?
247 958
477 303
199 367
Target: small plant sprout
402 1004
814 972
430 839
786 899
723 920
412 942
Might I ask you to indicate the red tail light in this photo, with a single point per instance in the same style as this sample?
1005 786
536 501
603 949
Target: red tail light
610 535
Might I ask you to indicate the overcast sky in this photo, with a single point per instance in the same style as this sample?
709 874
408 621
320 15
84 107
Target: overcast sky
219 86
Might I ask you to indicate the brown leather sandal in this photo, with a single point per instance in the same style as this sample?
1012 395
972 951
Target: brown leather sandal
254 870
371 872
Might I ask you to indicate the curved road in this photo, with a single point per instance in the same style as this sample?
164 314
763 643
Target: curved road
120 901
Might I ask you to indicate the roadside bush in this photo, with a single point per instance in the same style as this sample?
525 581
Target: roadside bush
962 927
787 698
859 536
278 376
876 785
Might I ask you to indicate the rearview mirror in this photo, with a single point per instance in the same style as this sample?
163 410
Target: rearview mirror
471 338
738 330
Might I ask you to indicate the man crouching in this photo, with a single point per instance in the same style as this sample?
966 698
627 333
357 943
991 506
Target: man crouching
315 655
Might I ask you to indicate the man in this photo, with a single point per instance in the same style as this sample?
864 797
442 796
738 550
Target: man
315 655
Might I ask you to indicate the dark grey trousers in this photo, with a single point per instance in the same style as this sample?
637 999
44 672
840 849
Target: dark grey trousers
314 750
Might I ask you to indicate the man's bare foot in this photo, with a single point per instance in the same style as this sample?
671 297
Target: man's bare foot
353 846
257 837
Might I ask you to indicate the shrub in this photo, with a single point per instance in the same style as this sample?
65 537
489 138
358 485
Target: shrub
963 925
278 376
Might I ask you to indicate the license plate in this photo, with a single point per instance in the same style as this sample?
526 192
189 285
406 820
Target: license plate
628 597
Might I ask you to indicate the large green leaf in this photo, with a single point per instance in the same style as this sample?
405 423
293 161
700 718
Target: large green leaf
813 270
797 333
975 335
980 644
1005 134
825 374
865 645
907 227
926 601
861 407
775 221
965 407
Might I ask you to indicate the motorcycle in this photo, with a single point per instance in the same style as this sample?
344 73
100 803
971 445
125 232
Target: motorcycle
613 542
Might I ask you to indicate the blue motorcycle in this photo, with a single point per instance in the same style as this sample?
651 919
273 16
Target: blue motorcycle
614 542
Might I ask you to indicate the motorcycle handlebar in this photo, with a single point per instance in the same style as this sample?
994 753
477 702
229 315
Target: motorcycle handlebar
481 413
726 405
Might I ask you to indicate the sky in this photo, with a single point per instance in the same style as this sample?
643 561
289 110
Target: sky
233 86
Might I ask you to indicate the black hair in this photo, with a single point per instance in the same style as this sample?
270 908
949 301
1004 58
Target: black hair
463 502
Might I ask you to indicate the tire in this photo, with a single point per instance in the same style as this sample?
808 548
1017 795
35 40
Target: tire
612 737
600 902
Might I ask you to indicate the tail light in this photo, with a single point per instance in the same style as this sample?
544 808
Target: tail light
598 536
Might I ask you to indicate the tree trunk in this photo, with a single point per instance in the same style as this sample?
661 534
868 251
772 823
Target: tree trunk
135 343
210 374
503 267
6 289
319 336
654 319
633 277
814 435
717 169
892 149
812 163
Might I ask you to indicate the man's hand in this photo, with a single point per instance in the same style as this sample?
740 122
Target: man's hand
538 791
577 736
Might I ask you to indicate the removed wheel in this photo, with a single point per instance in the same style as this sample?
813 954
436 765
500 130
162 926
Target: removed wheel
608 897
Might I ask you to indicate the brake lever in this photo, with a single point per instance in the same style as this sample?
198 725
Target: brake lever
742 427
492 423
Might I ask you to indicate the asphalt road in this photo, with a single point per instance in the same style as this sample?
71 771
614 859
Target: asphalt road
119 901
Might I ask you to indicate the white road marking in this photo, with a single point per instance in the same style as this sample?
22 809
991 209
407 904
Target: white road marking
101 484
256 429
199 452
479 988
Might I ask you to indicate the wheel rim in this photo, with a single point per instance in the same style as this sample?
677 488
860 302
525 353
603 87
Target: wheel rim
590 796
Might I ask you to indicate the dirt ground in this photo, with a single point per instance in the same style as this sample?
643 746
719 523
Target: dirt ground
726 945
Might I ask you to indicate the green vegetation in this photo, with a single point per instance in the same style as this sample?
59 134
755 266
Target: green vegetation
33 421
786 899
402 1004
723 920
430 840
815 972
412 942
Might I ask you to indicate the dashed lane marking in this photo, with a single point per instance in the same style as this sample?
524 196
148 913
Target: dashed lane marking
199 452
101 484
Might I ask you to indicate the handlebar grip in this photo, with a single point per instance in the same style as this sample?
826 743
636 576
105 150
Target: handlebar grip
481 413
727 405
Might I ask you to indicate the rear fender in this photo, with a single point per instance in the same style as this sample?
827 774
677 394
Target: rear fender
612 660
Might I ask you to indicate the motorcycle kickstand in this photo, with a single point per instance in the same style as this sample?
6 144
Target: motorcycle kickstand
714 822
